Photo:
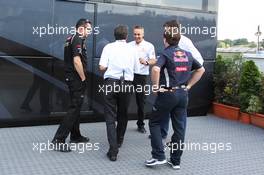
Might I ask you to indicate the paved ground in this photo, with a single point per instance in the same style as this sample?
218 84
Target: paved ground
240 151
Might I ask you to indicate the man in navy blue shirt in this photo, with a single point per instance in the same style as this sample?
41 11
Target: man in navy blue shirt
174 74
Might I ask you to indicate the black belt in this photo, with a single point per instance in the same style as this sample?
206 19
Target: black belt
173 89
183 86
116 80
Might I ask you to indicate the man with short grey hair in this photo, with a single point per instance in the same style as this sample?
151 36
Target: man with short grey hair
145 54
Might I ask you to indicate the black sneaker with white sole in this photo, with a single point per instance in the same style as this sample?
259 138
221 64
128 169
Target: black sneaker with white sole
174 166
153 162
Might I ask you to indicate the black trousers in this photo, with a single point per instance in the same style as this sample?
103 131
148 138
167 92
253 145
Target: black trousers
140 80
116 109
71 122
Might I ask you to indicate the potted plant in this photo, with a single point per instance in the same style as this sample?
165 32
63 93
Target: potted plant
257 116
255 106
226 78
249 88
250 83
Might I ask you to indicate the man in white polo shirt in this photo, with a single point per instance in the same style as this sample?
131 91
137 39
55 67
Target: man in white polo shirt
117 62
145 56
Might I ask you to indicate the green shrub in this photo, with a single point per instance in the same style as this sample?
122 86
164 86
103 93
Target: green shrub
249 84
219 82
254 105
226 79
239 83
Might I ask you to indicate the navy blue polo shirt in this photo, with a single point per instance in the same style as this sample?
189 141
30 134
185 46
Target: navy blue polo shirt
176 66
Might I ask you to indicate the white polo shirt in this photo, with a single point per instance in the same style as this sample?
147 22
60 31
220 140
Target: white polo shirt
118 56
143 50
186 44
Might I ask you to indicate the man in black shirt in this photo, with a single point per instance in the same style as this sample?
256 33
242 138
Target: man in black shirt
174 74
75 76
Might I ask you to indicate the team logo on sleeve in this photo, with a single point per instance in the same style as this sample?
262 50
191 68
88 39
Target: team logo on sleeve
180 56
79 48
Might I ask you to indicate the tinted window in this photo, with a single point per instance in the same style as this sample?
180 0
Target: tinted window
190 4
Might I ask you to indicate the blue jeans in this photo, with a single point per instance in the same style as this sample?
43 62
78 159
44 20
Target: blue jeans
174 103
164 126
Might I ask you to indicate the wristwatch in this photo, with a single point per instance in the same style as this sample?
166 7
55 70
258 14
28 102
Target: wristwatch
147 63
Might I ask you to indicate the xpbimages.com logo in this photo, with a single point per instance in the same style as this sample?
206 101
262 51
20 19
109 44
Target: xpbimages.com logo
79 147
42 31
212 147
191 30
129 88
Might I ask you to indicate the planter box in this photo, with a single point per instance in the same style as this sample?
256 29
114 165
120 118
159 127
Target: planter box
225 111
257 120
244 118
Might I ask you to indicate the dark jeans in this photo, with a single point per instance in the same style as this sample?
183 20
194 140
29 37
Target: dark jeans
140 97
164 125
71 122
174 103
116 109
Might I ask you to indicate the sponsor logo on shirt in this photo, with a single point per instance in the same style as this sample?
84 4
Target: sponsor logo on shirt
181 69
180 56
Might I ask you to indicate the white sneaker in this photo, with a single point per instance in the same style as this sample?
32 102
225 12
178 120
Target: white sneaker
153 162
176 167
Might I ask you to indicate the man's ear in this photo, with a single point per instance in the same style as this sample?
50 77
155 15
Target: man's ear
164 41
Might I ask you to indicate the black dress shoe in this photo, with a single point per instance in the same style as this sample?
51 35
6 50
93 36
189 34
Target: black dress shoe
111 156
60 146
142 129
80 139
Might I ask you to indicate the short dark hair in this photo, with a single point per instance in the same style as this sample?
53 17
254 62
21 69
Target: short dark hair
121 32
82 22
138 27
172 32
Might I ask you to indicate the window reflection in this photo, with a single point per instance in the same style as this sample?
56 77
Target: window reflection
205 5
190 4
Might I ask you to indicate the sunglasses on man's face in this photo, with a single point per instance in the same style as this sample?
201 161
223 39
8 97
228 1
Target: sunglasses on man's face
182 56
